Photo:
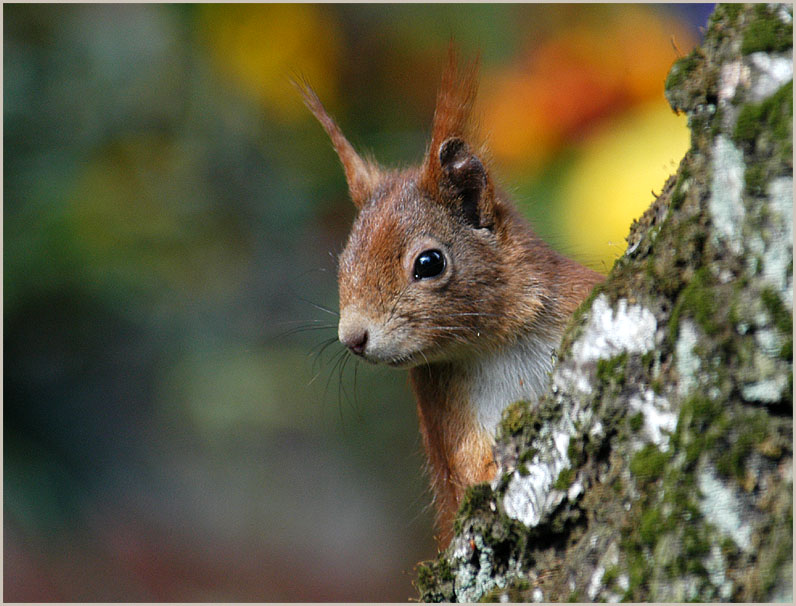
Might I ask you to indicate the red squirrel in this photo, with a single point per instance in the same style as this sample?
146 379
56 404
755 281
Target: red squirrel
443 276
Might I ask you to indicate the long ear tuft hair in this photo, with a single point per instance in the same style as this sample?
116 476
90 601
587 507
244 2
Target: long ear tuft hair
452 114
362 175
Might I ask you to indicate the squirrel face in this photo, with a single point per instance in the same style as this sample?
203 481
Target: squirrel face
412 273
426 274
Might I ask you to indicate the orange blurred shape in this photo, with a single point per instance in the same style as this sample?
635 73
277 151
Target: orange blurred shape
261 46
554 93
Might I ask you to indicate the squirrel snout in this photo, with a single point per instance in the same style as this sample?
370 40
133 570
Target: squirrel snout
353 334
356 342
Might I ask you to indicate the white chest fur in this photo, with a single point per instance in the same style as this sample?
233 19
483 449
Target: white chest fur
520 372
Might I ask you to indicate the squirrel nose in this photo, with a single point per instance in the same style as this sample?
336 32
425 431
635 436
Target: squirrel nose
356 341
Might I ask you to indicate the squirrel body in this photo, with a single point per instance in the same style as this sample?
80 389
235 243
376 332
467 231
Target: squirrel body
443 276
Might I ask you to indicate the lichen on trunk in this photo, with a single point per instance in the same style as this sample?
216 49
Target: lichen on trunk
658 467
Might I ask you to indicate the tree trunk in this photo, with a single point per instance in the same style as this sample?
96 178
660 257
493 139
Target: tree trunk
659 465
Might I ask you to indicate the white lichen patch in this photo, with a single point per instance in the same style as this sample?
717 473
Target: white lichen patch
596 582
529 497
770 341
629 328
572 377
778 253
608 559
720 505
784 14
575 491
473 581
687 362
732 75
716 566
769 72
767 390
726 196
659 419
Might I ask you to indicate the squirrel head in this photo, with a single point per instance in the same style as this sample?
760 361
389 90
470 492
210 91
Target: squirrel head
423 275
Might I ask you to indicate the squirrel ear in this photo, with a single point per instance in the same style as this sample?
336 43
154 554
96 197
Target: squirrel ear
362 175
464 178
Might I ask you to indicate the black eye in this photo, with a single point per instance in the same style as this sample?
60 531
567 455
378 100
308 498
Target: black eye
428 264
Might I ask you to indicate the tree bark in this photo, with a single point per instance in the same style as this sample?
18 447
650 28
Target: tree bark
659 466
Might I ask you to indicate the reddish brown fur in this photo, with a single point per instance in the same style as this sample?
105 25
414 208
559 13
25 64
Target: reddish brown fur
452 114
504 285
362 175
459 455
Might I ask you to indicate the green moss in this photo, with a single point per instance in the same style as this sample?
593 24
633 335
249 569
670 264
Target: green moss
654 525
774 116
766 33
636 421
575 452
434 581
440 570
699 422
527 456
610 575
651 526
514 418
515 591
681 69
612 371
697 300
755 178
678 195
727 435
476 499
729 11
746 432
638 572
648 464
695 546
783 319
564 480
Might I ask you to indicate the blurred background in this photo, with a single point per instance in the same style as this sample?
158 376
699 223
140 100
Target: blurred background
179 423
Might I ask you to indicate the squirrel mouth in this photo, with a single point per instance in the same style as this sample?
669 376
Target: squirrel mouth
403 362
407 360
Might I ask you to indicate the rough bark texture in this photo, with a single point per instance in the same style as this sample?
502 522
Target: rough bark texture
659 465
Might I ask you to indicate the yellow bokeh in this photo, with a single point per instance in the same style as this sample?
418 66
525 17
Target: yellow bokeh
611 182
262 46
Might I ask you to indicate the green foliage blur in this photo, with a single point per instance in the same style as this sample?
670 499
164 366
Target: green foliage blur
179 420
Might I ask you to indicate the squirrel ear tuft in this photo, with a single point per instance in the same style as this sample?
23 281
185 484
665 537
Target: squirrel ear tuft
464 177
362 175
450 167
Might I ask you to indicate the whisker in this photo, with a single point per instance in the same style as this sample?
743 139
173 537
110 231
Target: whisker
395 305
321 347
300 329
357 408
321 307
339 358
428 364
